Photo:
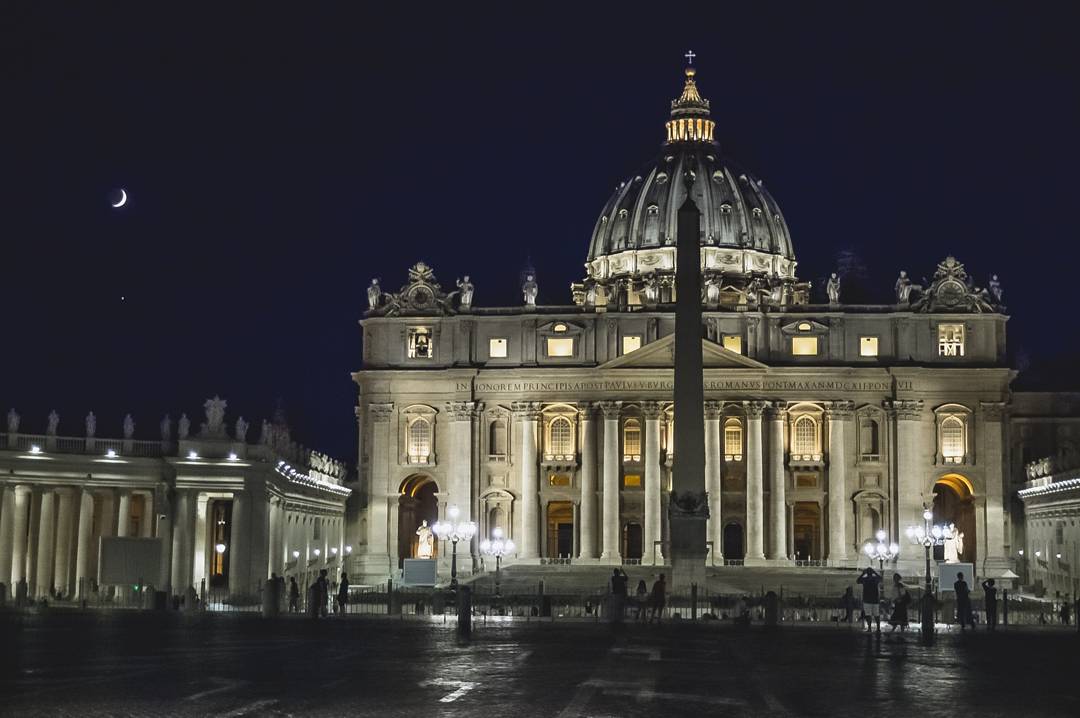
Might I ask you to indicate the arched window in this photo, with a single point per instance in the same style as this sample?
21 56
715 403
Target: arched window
869 449
497 438
560 437
419 442
632 440
805 433
952 440
733 440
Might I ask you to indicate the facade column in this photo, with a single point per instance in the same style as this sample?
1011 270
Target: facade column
183 541
755 495
83 550
992 460
778 484
65 524
527 413
165 535
460 469
238 547
587 529
146 530
45 544
19 525
123 513
381 496
714 461
200 564
839 415
652 529
611 523
909 466
7 537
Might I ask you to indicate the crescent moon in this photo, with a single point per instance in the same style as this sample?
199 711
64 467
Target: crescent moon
123 199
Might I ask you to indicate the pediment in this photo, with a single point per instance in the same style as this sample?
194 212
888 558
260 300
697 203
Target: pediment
661 355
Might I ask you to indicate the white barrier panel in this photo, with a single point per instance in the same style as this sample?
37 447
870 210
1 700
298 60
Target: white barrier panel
128 560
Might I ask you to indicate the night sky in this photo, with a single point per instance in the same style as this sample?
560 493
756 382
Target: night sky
277 160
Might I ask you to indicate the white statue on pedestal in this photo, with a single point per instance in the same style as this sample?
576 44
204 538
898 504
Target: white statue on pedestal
466 288
54 422
129 426
954 545
425 547
530 289
832 288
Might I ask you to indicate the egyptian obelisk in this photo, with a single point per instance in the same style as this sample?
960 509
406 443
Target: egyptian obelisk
688 509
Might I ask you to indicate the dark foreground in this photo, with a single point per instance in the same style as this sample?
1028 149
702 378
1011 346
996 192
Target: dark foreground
128 664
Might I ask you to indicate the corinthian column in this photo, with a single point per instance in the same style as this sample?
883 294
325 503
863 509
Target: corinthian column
65 523
611 529
45 544
527 412
461 415
777 483
20 526
839 416
909 462
382 497
7 535
588 482
991 458
651 411
714 461
755 495
83 546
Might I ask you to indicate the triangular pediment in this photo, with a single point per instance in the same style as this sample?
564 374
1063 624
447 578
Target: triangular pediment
661 355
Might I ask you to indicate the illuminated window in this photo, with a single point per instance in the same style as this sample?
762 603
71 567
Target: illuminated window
951 340
804 346
419 440
560 328
631 480
868 346
497 348
733 440
421 344
558 480
631 343
733 343
952 440
805 441
497 438
632 440
560 346
560 437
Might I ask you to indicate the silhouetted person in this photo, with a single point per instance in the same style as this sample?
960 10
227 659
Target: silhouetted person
901 601
641 597
1064 613
847 602
870 580
343 593
324 592
294 595
658 599
619 580
963 602
990 603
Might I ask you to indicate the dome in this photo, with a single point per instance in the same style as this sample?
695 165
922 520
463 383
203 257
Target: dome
743 233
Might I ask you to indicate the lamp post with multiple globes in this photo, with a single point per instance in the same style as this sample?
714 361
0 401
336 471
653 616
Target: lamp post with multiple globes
498 547
881 551
454 531
928 536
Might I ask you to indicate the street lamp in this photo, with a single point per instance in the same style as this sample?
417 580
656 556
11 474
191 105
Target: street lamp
881 551
497 547
929 536
454 531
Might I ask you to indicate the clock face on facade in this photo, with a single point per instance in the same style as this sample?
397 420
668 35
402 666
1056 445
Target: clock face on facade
421 297
950 294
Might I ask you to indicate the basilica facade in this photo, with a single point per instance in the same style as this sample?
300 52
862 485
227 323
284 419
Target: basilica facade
825 421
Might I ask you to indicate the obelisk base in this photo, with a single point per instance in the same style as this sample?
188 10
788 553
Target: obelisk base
688 543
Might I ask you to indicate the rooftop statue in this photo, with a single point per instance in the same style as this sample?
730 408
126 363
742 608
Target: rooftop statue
904 288
241 430
91 425
465 292
215 415
530 289
832 288
996 291
129 426
166 428
13 420
183 427
374 294
54 422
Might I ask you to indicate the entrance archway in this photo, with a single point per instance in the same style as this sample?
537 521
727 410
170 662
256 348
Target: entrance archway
954 503
560 529
632 541
807 534
733 542
417 503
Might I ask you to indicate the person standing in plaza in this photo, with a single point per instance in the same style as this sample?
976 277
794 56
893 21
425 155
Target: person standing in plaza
870 580
324 593
900 601
619 580
658 599
847 602
990 602
963 602
343 594
641 598
294 595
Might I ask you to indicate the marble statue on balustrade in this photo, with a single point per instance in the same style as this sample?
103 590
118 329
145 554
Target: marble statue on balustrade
590 294
264 433
832 288
904 288
651 290
954 545
91 425
530 289
129 426
54 423
183 427
996 291
13 420
712 290
215 416
166 428
425 547
465 292
374 294
241 430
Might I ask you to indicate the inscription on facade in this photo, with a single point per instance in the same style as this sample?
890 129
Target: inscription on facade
628 385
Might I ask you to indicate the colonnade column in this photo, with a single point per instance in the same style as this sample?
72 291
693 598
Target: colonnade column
909 468
123 513
755 498
46 532
611 524
777 483
64 524
19 527
7 535
527 413
714 461
146 529
587 514
839 416
183 541
653 553
82 552
238 564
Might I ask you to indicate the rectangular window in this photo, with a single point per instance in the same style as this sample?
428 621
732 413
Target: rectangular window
804 346
497 347
630 480
631 343
951 340
805 481
558 480
733 343
868 346
560 346
421 345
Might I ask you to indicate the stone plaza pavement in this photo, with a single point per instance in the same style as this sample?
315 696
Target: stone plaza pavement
141 664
